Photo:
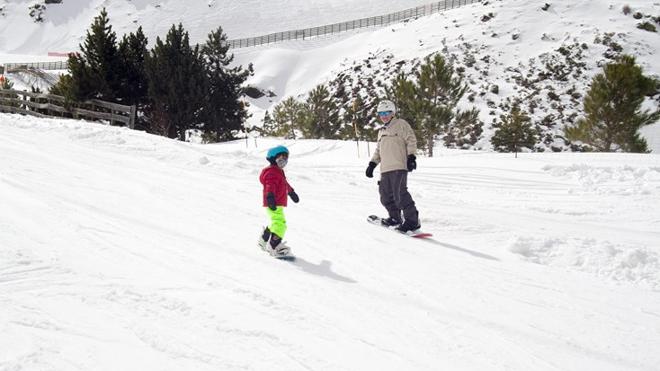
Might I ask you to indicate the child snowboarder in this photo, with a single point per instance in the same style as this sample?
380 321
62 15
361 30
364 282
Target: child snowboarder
275 190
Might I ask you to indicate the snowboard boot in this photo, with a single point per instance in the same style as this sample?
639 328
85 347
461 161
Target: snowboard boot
263 240
407 226
277 247
390 222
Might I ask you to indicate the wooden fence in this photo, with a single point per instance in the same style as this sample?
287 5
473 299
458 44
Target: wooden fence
48 105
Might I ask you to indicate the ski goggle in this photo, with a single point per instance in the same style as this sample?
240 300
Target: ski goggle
384 113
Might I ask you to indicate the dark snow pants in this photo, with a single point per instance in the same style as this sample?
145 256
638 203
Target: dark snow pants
394 195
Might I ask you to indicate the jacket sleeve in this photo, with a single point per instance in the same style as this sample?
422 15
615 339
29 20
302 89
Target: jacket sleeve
270 182
376 157
410 139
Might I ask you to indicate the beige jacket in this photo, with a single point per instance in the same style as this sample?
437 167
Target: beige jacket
395 142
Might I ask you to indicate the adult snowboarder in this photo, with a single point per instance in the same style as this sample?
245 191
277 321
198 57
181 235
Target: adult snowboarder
395 152
275 191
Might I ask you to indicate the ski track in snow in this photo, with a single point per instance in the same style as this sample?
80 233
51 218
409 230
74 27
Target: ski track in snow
121 250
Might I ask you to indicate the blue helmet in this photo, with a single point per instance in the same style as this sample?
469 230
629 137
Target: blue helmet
273 152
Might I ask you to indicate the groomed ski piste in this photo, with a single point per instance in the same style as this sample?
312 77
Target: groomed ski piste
125 251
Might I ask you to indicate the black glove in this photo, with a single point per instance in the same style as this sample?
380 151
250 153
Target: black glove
270 200
412 162
370 169
294 196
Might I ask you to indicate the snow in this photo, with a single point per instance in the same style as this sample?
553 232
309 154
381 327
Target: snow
65 24
294 68
122 250
125 251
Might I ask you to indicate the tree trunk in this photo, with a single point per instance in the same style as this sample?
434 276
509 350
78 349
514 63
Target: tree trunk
430 144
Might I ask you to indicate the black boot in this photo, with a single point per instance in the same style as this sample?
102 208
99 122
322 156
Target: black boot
274 241
276 245
266 235
390 222
408 226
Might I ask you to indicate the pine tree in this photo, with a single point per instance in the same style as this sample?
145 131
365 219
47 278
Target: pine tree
357 115
514 132
428 103
613 109
268 127
465 130
439 89
288 117
96 71
178 85
133 53
321 119
403 92
224 113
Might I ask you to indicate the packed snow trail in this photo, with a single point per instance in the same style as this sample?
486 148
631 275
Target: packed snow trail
122 250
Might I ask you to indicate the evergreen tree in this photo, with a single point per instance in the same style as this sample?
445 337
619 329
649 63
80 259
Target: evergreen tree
133 53
321 120
268 127
64 86
428 103
465 130
514 132
613 109
79 84
178 85
96 71
224 113
439 91
358 115
288 117
404 94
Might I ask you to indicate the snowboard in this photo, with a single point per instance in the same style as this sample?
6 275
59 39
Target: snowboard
376 220
287 257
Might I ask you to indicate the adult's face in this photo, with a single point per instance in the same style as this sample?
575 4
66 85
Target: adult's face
386 116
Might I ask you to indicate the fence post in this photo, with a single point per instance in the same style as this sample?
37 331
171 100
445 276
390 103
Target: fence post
133 113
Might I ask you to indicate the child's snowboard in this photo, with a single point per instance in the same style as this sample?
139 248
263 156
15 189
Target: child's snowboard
376 220
285 257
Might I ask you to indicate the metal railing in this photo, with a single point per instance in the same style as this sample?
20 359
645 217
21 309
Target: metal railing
377 21
303 34
49 66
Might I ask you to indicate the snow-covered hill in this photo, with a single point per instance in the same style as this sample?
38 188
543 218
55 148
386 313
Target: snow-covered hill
64 25
507 50
125 251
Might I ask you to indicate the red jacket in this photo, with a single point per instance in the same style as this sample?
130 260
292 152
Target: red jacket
274 180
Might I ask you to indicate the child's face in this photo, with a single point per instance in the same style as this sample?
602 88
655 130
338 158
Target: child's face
281 160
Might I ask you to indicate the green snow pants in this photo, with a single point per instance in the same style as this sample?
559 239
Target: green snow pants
277 221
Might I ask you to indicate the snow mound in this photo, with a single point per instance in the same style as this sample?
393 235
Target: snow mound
615 180
620 262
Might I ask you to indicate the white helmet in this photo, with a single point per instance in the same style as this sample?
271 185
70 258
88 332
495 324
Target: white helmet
386 105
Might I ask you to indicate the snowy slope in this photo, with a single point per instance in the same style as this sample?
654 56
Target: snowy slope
486 50
65 24
492 58
124 251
